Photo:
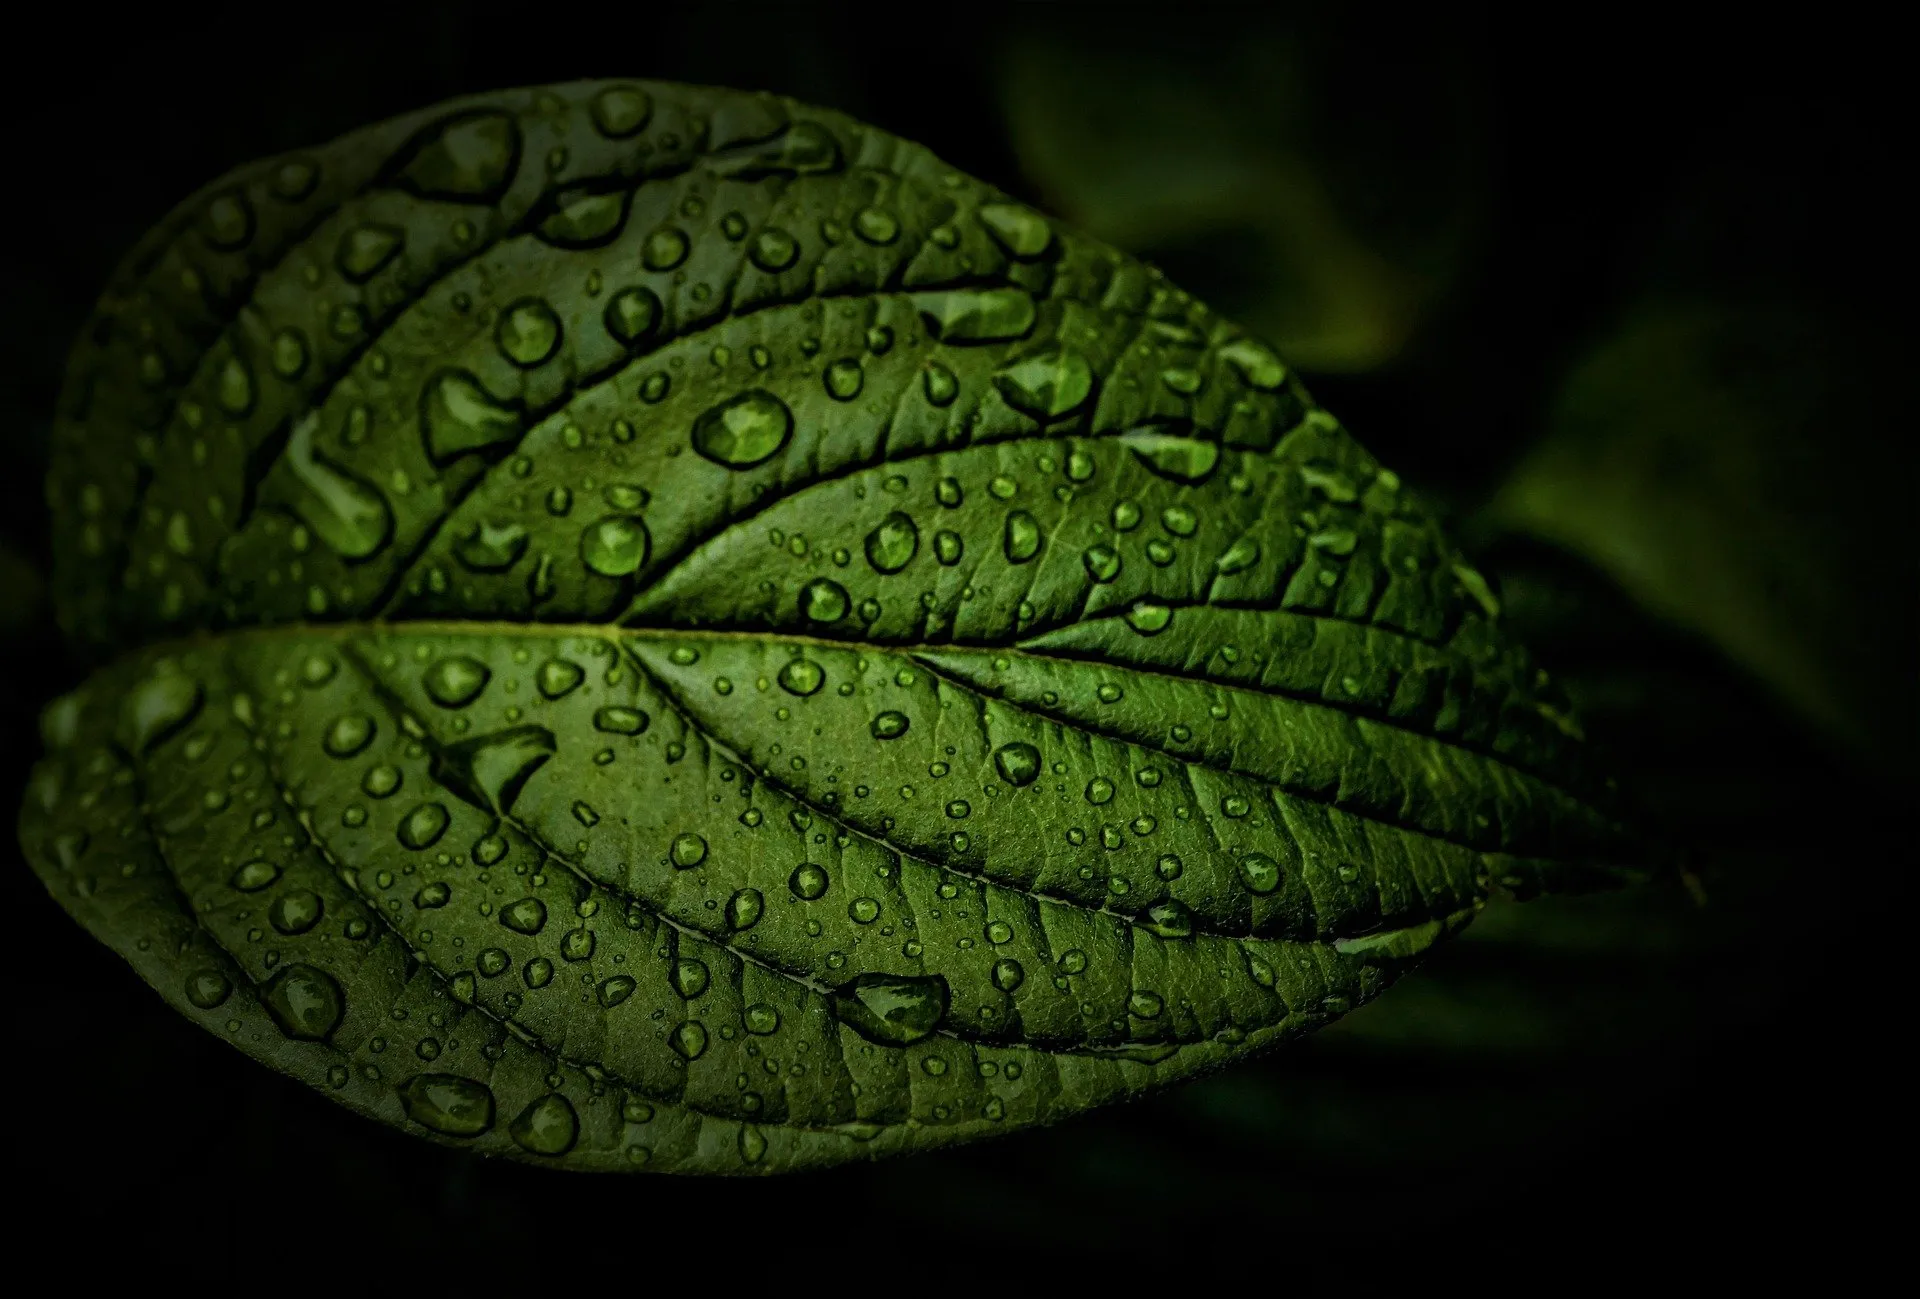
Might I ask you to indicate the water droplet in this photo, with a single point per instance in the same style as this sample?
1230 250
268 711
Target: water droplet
1147 1005
491 547
450 1105
808 881
1476 586
1170 919
689 1039
306 1003
585 218
208 988
1260 873
621 111
538 972
773 250
489 771
363 250
948 547
1073 961
422 827
893 544
823 601
761 1019
348 515
227 221
744 908
687 850
289 354
1179 520
1048 385
1182 459
255 875
469 157
889 725
664 249
1099 791
876 225
381 781
1020 230
432 897
844 379
616 546
1022 540
618 719
456 681
296 912
940 383
1256 363
528 332
689 977
527 916
1149 617
548 1126
615 990
1102 562
744 430
457 417
977 315
892 1010
1241 555
157 709
863 911
632 315
558 677
801 677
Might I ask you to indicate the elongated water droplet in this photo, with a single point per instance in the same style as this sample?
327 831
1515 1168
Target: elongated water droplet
422 827
893 1010
448 1104
585 218
1020 230
1183 459
618 719
157 709
977 315
457 417
1022 540
1256 363
489 771
1048 385
343 511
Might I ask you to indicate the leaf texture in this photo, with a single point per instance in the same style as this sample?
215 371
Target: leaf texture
655 627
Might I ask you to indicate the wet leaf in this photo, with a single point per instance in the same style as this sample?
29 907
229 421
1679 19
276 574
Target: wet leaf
807 661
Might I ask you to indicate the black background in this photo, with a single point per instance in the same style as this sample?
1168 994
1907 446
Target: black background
1708 1094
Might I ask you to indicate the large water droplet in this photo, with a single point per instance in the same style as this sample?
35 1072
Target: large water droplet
449 1104
548 1126
157 709
1260 873
489 771
687 850
296 912
344 512
804 149
744 909
528 332
1048 385
422 827
977 315
585 218
456 681
1022 540
616 546
744 430
689 977
306 1003
1256 363
892 1010
823 600
893 544
632 315
255 875
1183 459
809 881
457 417
802 677
469 157
1020 230
621 111
1018 763
1170 919
365 249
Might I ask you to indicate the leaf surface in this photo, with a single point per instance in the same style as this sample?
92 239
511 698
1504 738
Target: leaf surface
658 627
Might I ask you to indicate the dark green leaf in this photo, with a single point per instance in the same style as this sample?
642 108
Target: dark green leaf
805 661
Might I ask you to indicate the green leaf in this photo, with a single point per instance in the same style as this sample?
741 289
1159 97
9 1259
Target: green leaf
663 628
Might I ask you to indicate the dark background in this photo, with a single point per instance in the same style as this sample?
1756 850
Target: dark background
1663 1070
